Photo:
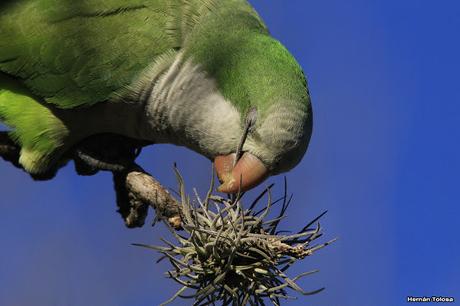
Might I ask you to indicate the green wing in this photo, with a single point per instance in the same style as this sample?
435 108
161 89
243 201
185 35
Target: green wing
75 53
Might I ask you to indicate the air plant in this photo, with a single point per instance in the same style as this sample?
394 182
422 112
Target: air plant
235 256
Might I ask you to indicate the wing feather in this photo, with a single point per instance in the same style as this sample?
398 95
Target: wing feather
78 53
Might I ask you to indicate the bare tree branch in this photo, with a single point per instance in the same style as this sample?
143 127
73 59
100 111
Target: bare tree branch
142 191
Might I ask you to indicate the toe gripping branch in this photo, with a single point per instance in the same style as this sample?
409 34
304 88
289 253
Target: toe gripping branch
135 189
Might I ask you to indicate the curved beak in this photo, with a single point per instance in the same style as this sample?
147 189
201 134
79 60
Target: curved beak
248 172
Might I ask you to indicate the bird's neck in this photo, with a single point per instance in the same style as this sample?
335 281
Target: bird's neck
183 106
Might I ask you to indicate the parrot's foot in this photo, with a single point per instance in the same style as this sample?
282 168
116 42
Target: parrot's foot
132 210
106 152
115 153
86 164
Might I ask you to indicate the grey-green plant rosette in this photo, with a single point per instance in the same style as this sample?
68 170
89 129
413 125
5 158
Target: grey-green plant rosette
229 255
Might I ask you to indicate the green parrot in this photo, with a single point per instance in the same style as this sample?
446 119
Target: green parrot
204 74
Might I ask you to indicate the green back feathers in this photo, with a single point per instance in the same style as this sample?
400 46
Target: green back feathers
75 53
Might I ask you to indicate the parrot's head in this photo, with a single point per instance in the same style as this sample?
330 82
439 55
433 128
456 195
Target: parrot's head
267 87
261 112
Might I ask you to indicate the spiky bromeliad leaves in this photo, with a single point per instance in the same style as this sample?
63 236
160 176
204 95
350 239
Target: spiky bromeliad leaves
235 256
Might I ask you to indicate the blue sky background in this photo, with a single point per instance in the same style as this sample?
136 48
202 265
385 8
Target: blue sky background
384 160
